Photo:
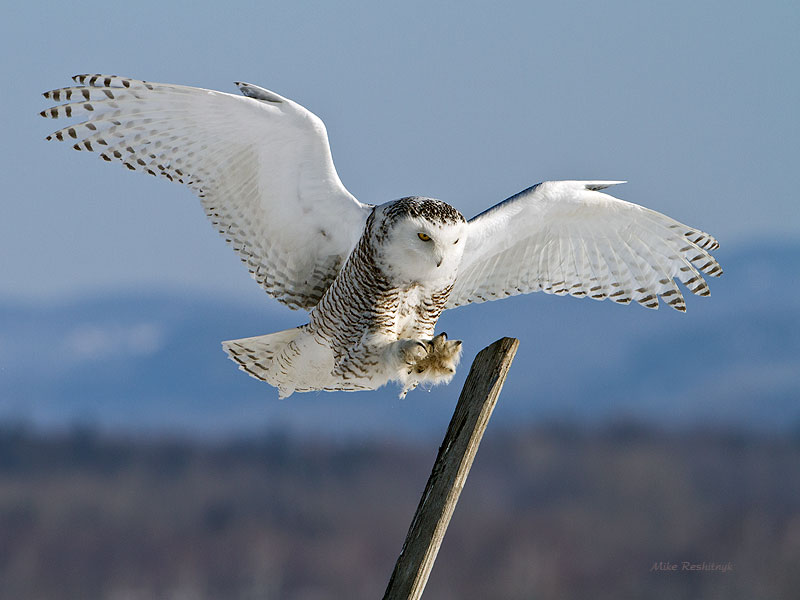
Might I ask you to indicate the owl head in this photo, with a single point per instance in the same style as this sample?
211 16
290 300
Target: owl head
418 240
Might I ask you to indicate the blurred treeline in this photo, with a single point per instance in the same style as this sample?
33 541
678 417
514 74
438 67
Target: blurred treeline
551 512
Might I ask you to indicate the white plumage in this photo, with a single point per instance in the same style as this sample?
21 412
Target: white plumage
566 237
374 279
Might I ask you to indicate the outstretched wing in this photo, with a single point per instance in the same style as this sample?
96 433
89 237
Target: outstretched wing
566 237
260 163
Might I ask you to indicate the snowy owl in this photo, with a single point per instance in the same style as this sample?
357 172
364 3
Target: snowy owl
375 279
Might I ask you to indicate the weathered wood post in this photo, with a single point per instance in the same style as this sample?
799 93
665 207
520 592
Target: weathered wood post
475 406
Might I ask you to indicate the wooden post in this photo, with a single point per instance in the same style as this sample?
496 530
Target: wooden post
475 406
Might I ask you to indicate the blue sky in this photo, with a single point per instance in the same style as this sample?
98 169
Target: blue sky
695 104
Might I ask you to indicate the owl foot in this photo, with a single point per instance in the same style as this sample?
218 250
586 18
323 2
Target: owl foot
424 361
440 360
428 361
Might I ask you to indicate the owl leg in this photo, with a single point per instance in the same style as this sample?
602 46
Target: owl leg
439 365
426 361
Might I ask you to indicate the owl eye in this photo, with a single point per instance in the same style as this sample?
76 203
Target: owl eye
424 237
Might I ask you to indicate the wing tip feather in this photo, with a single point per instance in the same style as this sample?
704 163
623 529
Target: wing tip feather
258 93
600 185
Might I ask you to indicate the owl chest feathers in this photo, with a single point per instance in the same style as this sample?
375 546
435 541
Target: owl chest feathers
415 311
366 299
350 310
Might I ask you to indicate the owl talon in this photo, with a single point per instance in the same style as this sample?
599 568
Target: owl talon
413 351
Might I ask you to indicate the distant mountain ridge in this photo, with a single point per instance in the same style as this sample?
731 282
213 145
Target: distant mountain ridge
150 361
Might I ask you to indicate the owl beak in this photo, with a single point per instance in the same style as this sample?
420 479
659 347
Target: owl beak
439 255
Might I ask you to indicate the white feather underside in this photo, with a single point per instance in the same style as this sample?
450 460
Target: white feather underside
261 166
566 237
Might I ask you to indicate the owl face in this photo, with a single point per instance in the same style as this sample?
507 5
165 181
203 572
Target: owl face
421 241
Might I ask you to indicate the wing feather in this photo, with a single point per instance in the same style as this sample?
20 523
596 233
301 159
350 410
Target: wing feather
567 237
260 164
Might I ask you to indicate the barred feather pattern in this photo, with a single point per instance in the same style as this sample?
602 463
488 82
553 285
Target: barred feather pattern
568 238
260 164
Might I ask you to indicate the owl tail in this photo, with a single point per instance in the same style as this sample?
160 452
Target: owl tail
262 357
